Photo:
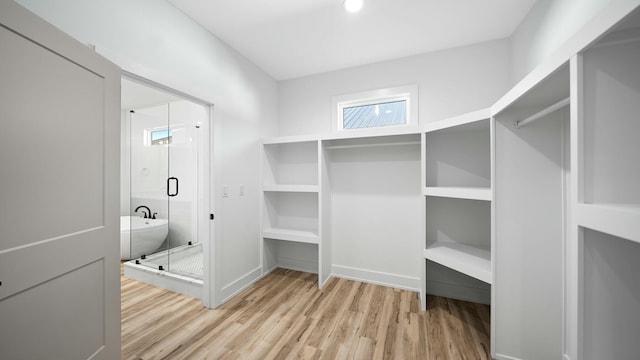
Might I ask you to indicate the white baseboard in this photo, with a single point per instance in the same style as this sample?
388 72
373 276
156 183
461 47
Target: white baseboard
460 292
377 278
505 357
238 285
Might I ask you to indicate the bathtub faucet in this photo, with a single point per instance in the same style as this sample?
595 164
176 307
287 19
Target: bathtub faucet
147 214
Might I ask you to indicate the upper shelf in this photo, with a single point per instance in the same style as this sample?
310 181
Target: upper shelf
457 152
469 260
608 125
520 105
466 122
290 163
372 141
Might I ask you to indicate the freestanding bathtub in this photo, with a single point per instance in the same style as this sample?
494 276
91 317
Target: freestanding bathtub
139 236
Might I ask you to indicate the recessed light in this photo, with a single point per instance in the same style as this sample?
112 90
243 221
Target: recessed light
353 5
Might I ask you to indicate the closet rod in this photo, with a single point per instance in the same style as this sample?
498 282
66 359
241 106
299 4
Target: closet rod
560 104
350 146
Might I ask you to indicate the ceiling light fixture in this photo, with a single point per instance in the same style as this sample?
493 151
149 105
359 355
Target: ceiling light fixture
353 5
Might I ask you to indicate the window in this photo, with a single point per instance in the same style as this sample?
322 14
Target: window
382 114
161 137
376 110
158 136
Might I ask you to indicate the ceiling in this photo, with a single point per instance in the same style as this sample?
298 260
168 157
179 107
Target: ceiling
295 38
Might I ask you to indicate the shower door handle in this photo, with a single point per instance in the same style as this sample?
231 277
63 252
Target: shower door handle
169 180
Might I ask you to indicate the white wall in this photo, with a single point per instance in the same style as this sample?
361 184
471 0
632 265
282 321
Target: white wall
450 82
375 214
548 25
161 40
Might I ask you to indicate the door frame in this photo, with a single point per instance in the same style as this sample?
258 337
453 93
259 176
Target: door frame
206 174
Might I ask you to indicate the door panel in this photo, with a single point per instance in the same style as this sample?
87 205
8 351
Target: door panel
79 298
45 135
59 223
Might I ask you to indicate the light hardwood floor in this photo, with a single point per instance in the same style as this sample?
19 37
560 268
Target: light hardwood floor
285 316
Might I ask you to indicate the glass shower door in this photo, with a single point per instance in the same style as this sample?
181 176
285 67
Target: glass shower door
164 187
149 220
185 255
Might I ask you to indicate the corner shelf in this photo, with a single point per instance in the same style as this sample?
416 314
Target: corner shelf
458 153
469 260
458 195
470 193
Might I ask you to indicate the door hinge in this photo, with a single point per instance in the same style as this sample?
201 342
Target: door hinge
211 216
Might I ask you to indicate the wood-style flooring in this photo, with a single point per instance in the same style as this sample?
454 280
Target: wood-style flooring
285 316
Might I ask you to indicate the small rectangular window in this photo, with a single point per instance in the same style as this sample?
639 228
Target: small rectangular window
376 110
161 137
374 115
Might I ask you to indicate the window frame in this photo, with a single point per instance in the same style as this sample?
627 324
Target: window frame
408 93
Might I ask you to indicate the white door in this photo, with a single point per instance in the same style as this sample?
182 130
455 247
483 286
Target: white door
59 194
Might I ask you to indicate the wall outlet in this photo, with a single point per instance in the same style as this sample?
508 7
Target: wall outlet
241 189
225 190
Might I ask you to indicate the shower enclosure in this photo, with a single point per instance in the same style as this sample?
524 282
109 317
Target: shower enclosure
163 151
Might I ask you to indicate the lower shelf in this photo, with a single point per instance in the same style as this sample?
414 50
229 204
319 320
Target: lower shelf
303 236
466 259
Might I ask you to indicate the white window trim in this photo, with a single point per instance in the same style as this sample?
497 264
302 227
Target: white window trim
408 93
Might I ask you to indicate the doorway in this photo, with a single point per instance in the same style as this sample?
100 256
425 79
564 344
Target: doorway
164 186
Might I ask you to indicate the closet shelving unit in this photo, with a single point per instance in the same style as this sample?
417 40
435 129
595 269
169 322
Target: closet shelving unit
297 194
373 195
458 194
607 208
531 209
290 215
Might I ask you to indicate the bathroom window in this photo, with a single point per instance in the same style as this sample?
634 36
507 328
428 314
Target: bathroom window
160 137
376 110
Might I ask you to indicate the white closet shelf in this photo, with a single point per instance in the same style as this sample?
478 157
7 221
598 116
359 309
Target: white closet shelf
303 236
291 188
469 121
620 220
469 260
471 193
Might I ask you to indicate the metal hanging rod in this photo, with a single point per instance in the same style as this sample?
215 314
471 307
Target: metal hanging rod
350 146
559 105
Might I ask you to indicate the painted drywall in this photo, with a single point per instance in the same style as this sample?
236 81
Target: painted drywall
159 39
450 82
375 214
548 25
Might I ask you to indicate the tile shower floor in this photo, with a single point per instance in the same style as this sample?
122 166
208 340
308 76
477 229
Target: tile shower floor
184 260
